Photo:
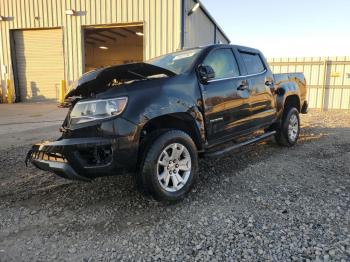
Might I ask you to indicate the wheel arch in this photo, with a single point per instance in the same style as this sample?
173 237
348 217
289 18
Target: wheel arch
183 121
292 100
288 95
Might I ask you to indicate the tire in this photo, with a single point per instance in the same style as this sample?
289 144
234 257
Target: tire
288 134
169 168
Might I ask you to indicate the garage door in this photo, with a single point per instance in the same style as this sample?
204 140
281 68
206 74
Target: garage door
39 63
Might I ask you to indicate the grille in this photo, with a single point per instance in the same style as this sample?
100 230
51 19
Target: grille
36 154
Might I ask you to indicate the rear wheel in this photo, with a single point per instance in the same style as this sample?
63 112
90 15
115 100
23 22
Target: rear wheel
288 133
169 169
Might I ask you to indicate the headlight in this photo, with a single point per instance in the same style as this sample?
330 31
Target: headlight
97 109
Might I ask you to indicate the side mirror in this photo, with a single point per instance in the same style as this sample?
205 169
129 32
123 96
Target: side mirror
206 73
280 91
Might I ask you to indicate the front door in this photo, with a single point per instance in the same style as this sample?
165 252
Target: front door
226 97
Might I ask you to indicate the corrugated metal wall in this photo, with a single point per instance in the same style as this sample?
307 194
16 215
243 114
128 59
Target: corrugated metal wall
220 38
328 79
200 30
161 18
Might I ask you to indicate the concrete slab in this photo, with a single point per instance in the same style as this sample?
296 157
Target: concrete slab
26 123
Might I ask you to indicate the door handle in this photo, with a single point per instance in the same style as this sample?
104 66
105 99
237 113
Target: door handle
243 86
269 83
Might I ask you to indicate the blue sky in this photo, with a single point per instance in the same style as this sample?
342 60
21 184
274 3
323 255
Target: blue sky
286 28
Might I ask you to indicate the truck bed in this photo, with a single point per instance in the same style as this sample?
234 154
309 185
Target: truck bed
297 78
288 77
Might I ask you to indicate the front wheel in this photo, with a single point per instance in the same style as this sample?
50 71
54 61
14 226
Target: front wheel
169 169
288 133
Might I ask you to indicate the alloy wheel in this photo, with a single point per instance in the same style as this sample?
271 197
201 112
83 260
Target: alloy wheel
174 167
293 128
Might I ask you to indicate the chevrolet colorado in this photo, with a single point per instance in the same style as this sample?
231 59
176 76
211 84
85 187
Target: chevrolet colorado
156 118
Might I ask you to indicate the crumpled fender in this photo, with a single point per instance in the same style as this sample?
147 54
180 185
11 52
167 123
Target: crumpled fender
177 95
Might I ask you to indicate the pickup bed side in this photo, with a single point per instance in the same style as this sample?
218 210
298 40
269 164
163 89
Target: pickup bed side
291 85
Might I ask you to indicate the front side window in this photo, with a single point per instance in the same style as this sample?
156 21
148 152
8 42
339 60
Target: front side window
253 63
223 62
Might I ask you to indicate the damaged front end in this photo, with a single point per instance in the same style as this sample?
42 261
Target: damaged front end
96 141
75 159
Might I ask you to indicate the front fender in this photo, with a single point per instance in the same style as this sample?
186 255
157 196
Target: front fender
177 95
175 107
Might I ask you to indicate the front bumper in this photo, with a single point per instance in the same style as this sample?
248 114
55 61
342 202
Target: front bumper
62 169
77 158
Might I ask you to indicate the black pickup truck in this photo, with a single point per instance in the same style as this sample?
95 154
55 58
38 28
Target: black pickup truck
156 118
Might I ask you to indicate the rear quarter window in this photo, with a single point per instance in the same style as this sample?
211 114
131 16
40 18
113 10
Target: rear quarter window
253 63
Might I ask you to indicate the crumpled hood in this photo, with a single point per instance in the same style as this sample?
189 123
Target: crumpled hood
97 81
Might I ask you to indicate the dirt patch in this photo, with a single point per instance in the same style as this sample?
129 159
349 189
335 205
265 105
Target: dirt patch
263 202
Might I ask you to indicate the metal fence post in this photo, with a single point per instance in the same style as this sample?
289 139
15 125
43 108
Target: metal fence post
324 84
62 91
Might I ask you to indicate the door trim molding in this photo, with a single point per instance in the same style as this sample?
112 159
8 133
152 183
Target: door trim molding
236 77
217 120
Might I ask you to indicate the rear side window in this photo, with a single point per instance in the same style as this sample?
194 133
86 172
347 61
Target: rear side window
253 63
223 62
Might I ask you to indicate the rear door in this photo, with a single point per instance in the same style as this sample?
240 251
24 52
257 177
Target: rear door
226 106
261 99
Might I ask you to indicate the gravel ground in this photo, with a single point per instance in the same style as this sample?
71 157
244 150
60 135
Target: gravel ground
261 203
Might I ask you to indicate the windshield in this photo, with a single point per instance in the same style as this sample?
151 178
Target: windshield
178 62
